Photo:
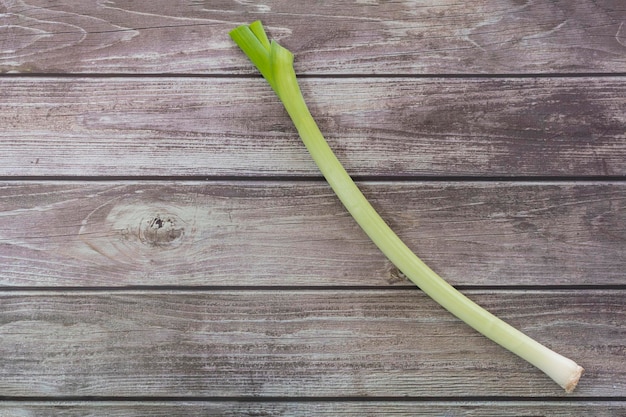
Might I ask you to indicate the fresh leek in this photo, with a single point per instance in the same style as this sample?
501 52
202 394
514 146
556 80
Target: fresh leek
276 65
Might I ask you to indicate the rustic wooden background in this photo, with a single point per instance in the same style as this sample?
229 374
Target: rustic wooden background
168 248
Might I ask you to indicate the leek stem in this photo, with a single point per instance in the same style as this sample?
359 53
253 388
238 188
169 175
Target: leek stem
276 65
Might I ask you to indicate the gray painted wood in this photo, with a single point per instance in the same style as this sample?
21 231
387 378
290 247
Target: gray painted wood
307 408
157 96
297 233
275 343
342 37
378 127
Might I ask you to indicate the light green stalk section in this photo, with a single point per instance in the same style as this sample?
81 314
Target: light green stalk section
276 65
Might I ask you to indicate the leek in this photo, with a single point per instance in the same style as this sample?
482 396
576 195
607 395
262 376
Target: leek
276 65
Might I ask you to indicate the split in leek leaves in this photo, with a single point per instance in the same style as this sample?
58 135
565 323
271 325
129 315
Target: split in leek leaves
276 65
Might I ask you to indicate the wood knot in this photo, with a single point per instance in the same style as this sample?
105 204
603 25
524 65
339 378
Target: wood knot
394 275
160 230
142 231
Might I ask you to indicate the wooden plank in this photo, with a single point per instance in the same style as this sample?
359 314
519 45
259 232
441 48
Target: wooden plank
297 233
411 37
378 127
299 344
308 408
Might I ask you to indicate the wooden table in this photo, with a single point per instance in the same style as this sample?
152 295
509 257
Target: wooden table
168 248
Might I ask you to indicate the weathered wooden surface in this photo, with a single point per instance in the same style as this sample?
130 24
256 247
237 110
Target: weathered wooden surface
342 37
276 343
298 234
403 408
388 127
491 134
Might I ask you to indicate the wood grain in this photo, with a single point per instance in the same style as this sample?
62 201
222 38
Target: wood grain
369 37
297 233
369 408
491 134
328 343
378 127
